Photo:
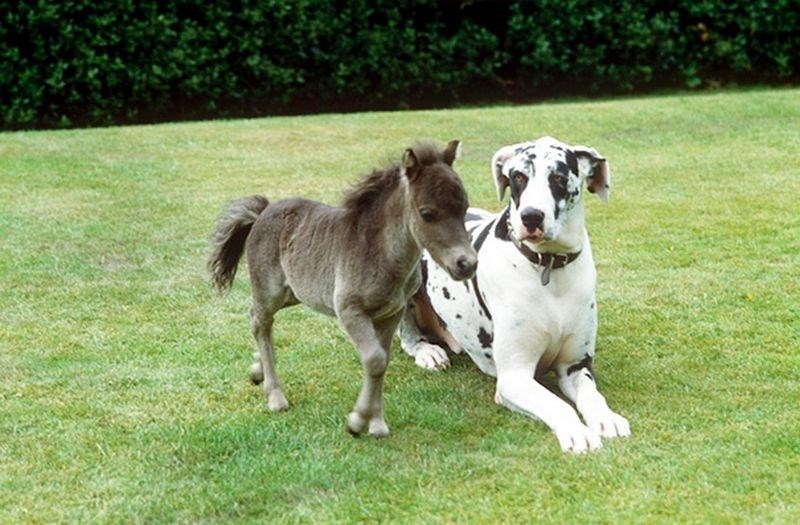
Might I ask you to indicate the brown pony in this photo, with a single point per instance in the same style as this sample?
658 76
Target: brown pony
359 262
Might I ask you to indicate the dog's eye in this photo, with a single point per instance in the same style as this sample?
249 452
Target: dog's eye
519 178
427 215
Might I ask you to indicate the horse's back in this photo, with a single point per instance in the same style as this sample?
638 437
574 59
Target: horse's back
293 243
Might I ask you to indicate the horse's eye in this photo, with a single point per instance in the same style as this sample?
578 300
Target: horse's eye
427 215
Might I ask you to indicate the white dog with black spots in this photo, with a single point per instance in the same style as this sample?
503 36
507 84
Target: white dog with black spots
531 306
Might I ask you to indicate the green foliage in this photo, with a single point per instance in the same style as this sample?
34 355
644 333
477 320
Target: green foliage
104 61
584 46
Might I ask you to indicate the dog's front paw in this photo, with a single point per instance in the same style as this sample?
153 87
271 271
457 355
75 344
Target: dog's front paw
430 356
578 438
609 424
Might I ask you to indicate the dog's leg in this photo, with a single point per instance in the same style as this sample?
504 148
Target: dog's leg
430 323
264 368
578 384
368 411
416 344
418 324
517 390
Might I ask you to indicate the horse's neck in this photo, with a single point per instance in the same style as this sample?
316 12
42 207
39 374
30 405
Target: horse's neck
402 249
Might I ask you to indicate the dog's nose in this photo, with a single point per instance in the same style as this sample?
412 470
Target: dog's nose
531 218
466 266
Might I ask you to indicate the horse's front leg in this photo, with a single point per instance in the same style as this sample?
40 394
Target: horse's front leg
373 342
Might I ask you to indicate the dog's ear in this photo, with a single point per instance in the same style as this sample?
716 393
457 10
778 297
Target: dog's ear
498 161
594 168
411 166
452 152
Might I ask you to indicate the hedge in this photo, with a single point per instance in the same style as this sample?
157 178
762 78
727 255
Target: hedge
90 62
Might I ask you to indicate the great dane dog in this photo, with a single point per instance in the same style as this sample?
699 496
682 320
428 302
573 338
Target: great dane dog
530 308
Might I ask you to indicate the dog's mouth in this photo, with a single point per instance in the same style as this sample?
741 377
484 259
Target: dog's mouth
535 236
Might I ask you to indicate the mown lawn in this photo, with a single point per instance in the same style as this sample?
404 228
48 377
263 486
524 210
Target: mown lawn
125 396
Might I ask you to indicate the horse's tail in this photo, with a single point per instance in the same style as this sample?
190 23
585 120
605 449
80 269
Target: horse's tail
233 227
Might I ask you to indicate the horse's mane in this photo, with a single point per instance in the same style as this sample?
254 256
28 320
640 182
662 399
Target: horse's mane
377 185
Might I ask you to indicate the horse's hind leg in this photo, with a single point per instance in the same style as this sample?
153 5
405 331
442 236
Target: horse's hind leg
261 326
270 293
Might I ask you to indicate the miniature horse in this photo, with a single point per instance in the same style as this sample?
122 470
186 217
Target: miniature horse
359 262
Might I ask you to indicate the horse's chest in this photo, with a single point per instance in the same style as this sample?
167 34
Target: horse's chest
388 301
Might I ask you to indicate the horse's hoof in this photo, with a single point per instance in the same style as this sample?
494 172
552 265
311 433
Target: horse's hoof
277 401
378 428
356 424
256 373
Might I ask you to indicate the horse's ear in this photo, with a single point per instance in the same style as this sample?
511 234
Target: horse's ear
410 164
498 161
594 168
452 152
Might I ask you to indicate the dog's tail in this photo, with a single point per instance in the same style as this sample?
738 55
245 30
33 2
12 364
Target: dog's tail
233 227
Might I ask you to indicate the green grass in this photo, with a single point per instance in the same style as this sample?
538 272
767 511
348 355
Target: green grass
125 397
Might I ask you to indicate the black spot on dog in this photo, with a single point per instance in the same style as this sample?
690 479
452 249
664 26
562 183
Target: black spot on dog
585 363
477 242
562 168
485 338
501 229
558 184
458 316
446 292
591 306
518 184
572 162
487 355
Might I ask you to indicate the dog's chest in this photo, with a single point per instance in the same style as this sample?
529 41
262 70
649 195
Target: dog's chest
458 306
552 323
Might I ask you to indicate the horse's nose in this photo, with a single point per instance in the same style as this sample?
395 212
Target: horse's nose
466 266
531 218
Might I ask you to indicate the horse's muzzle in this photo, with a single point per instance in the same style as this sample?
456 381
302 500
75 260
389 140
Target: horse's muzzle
465 267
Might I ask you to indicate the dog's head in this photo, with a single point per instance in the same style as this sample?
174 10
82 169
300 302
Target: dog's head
545 179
